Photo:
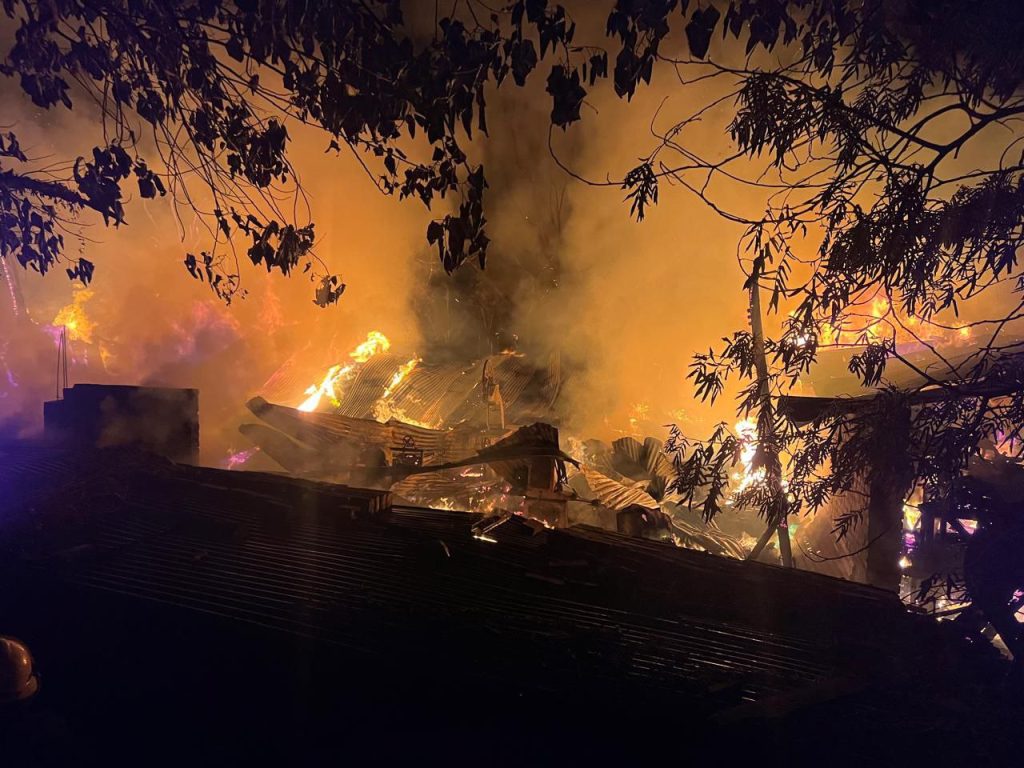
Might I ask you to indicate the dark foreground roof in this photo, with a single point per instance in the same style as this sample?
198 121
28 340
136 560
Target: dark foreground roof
182 611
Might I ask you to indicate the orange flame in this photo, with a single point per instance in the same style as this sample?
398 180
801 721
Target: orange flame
333 382
746 431
329 387
399 376
375 342
73 317
384 409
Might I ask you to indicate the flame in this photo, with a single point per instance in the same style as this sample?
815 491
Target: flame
911 518
399 415
639 413
332 384
375 342
74 318
399 377
383 410
876 331
447 504
885 322
329 387
746 431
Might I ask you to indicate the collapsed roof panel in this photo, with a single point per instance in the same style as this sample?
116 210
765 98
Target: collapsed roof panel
446 394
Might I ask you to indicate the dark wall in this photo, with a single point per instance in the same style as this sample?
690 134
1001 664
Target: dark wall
158 420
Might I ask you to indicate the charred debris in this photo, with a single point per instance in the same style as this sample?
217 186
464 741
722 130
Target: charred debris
451 440
481 437
446 545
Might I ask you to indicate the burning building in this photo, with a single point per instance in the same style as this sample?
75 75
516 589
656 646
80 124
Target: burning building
479 436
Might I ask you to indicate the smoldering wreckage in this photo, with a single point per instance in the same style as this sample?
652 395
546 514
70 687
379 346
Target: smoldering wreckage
424 532
476 436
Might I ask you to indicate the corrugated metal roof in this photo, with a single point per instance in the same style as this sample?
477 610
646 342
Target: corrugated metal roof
333 564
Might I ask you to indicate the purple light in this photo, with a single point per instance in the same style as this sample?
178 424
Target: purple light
239 458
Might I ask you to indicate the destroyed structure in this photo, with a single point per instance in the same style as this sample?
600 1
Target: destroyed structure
478 437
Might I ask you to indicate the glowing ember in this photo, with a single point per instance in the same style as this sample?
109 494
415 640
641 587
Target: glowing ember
450 504
9 281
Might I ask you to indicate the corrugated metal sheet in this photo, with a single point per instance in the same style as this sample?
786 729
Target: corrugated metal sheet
446 394
615 495
327 430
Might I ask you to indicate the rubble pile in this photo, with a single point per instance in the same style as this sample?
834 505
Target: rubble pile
479 437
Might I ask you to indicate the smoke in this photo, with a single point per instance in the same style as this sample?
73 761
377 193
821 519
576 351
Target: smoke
622 305
145 321
570 276
476 312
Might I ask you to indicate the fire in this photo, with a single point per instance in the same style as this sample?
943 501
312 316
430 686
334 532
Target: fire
448 504
384 409
375 342
883 322
399 415
746 431
911 518
74 318
876 330
638 415
332 384
329 387
399 376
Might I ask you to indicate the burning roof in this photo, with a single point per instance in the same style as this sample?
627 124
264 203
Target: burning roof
434 395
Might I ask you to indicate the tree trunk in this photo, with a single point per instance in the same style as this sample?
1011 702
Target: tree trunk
889 482
777 521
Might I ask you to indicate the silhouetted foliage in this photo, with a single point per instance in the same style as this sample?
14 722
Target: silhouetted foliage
195 96
853 117
886 136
